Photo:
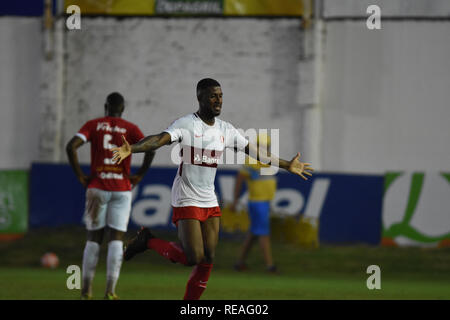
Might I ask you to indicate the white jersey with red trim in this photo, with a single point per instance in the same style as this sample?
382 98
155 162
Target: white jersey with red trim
202 146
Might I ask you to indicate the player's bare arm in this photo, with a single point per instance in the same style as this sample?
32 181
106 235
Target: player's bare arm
150 143
294 166
71 150
148 159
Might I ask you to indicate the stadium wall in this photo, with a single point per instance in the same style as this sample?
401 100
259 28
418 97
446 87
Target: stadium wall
20 103
385 96
157 63
389 8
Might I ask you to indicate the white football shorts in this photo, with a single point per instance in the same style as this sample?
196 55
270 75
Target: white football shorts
111 208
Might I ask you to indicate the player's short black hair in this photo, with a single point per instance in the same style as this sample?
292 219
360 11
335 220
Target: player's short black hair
206 83
115 100
115 103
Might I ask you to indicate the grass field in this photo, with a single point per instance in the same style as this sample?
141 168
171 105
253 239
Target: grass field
327 273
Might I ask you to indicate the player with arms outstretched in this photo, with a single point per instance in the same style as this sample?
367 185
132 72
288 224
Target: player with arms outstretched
108 195
196 212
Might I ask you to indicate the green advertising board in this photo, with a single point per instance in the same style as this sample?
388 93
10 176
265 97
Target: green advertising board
416 209
13 203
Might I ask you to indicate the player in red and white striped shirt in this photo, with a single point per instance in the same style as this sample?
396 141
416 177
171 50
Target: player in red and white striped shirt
203 138
108 195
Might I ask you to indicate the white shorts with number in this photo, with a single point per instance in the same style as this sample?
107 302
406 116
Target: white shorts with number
111 208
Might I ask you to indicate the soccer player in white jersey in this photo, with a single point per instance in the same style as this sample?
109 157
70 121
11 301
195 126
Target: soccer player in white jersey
196 212
108 194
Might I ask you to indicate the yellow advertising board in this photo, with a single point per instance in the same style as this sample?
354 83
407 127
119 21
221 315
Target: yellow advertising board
114 7
264 7
194 7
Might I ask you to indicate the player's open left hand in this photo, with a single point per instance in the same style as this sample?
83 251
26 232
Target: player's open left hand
120 153
300 168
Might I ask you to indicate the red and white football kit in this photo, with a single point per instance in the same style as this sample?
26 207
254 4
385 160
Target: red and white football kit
108 197
202 146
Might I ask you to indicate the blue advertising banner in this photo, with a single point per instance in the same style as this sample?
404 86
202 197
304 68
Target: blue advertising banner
348 206
27 8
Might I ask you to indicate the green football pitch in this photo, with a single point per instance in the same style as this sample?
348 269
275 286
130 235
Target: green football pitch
326 273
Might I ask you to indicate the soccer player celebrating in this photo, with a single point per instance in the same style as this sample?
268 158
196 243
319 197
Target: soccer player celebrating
108 195
196 212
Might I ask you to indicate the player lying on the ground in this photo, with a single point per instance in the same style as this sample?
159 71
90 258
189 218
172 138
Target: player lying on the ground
196 211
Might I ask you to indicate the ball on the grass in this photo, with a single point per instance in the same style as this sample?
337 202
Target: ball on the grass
50 260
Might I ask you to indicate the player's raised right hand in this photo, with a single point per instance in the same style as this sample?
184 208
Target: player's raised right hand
120 153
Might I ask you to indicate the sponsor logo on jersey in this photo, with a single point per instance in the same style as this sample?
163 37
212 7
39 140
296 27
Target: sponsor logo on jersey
210 160
201 157
111 175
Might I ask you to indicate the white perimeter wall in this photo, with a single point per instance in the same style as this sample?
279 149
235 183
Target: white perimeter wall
389 8
20 104
386 96
156 64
